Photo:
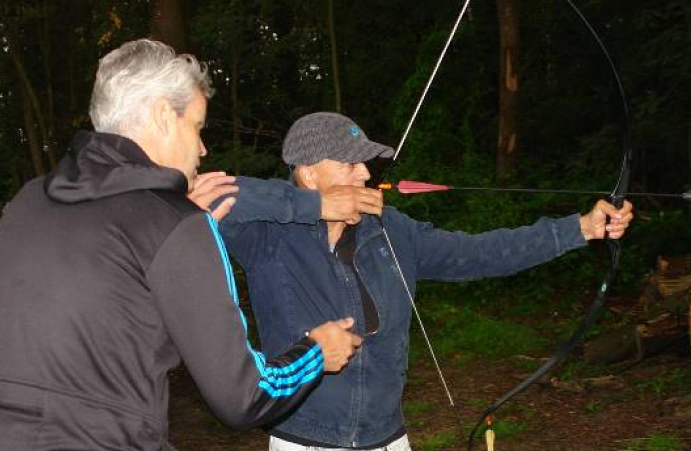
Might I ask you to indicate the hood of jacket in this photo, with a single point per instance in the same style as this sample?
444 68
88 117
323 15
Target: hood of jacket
99 165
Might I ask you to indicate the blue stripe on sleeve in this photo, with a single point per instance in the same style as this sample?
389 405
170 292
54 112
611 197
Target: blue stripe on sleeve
314 351
271 376
291 380
275 393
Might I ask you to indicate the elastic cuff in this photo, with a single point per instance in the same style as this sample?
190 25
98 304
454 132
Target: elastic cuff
308 342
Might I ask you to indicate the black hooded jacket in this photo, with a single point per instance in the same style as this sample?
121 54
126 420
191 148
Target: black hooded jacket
108 276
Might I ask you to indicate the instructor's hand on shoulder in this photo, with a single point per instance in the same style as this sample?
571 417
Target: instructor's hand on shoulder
347 202
210 186
337 343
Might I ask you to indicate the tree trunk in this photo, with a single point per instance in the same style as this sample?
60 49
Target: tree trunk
44 44
688 136
168 23
33 115
236 91
507 143
235 94
31 133
334 58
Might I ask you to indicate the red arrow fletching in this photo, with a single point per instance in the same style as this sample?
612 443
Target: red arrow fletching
411 187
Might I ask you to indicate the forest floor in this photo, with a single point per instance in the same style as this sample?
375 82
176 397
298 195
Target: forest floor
635 405
635 411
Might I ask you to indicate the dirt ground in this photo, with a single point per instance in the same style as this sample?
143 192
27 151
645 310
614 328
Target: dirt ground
621 416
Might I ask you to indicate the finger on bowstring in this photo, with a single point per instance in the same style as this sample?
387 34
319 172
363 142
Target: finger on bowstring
373 194
370 204
372 209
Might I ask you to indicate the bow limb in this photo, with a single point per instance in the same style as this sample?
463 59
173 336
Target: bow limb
617 198
423 96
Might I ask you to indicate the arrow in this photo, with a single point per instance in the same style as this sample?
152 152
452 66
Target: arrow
413 187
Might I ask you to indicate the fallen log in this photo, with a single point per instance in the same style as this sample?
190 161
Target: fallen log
638 341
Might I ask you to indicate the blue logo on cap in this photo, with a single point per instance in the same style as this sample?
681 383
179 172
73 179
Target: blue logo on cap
354 130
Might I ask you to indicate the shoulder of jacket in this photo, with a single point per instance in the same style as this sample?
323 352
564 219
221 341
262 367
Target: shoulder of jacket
176 202
392 215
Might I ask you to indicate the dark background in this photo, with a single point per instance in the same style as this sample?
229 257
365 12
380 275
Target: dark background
273 61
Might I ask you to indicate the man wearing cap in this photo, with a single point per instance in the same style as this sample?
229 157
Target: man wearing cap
302 274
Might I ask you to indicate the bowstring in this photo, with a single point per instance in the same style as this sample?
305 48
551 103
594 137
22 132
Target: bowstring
461 14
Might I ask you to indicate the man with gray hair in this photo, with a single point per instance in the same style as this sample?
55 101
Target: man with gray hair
109 276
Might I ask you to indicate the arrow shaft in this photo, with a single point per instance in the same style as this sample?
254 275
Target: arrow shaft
567 191
526 190
564 191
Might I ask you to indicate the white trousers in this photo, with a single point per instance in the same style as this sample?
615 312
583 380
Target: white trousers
276 444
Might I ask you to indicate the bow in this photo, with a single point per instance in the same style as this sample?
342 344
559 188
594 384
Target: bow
616 197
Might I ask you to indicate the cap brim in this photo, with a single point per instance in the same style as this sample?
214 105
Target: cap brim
368 151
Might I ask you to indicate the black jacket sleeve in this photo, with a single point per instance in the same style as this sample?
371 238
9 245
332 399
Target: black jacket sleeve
192 281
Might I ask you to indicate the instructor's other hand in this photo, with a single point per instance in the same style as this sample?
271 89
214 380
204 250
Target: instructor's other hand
337 343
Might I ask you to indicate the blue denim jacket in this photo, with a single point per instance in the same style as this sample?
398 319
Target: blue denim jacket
296 283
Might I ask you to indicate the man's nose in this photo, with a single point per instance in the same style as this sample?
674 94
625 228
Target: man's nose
363 171
203 152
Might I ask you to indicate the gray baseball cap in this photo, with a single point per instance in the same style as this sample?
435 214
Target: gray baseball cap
332 136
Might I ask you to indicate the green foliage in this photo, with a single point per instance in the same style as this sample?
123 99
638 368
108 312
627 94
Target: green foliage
476 403
675 381
525 364
505 428
461 328
657 442
569 118
653 234
594 407
412 407
240 160
438 441
574 369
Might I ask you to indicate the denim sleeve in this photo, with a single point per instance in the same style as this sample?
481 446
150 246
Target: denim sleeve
443 255
273 201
